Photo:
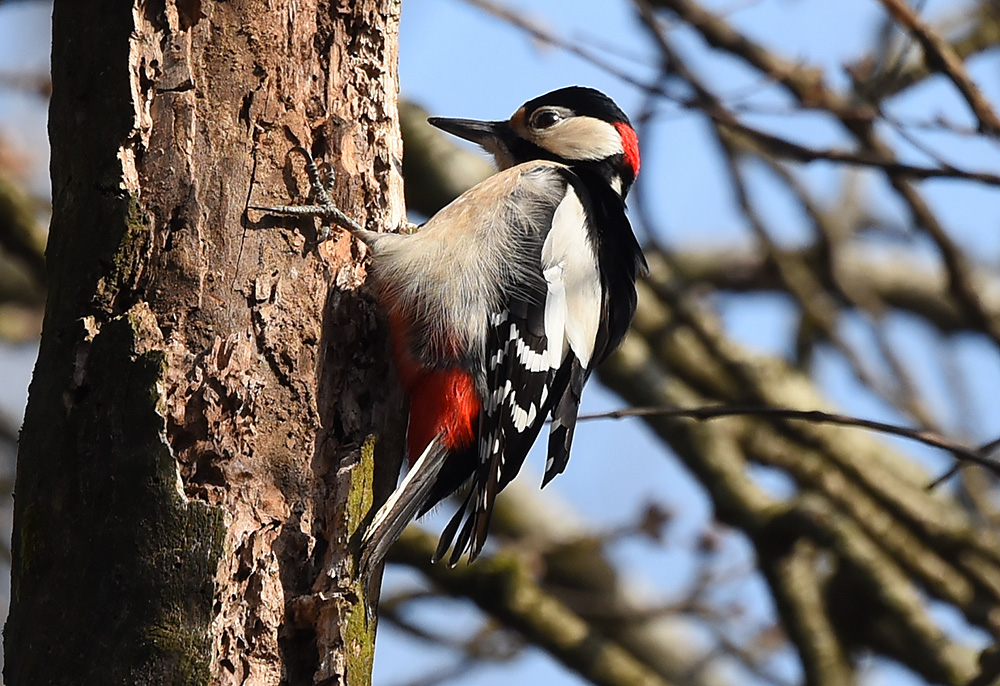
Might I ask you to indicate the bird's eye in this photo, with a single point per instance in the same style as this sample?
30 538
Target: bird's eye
543 119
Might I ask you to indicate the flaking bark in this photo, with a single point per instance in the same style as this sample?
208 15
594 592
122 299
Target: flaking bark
209 396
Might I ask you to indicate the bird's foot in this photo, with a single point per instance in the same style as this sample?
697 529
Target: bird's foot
324 208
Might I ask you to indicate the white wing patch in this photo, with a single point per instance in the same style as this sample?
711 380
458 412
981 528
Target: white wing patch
523 419
573 305
529 359
555 311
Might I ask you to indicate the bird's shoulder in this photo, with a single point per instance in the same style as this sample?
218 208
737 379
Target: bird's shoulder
539 181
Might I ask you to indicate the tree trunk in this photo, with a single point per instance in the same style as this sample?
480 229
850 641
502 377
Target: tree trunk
198 445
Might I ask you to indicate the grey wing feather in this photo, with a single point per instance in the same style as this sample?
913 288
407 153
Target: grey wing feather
564 420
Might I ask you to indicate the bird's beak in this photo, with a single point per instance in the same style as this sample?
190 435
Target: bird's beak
480 132
495 137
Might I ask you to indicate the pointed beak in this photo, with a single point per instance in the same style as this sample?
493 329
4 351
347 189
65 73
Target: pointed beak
483 133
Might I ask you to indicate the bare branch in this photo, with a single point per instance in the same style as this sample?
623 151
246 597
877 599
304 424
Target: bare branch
502 586
978 456
942 57
37 84
20 232
667 645
807 86
782 147
982 34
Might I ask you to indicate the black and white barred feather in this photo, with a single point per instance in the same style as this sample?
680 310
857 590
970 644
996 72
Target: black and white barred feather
502 305
541 348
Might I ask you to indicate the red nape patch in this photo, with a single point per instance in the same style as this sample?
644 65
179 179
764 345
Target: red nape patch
630 143
442 402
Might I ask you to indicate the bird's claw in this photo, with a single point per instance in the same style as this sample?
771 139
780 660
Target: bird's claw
324 208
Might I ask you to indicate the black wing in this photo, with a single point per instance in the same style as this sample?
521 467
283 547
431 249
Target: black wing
524 380
518 368
518 399
621 261
564 417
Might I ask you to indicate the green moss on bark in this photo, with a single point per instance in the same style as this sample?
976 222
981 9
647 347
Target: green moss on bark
359 631
111 546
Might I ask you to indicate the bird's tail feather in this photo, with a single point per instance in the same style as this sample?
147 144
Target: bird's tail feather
401 507
473 516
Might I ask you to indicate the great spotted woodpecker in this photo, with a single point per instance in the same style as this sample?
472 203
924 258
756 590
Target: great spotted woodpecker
503 303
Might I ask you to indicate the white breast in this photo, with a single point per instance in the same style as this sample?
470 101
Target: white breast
454 270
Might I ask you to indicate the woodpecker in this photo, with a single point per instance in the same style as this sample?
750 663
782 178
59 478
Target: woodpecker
502 304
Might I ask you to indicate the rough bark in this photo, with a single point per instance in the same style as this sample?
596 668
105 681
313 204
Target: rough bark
198 445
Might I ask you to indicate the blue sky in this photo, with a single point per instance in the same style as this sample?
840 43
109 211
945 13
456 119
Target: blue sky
458 61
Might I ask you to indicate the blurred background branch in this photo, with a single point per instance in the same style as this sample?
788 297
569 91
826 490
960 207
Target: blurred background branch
861 278
856 547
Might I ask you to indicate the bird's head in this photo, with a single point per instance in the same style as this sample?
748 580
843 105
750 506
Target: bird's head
577 126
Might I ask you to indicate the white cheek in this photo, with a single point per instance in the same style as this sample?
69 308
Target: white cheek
582 138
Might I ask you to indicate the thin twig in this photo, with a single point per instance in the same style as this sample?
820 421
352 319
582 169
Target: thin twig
539 33
982 34
809 89
941 57
783 147
935 440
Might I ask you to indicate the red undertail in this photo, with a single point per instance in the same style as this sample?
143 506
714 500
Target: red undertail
442 401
